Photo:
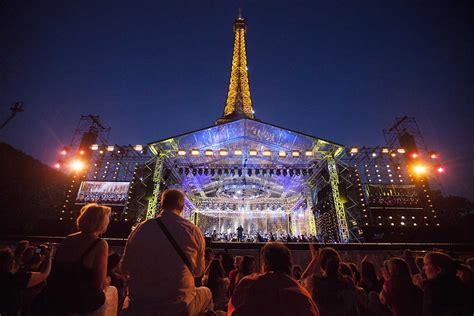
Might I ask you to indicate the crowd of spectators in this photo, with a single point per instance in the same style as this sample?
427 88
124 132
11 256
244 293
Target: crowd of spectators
167 270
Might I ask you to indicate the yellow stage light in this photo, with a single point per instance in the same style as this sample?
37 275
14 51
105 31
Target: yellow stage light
385 150
354 150
237 152
110 148
420 169
308 153
282 153
94 147
295 153
252 152
77 165
223 152
209 152
181 152
267 153
401 150
194 152
138 147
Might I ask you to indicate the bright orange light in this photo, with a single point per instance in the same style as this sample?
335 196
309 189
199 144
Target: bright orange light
433 156
77 165
440 169
420 169
64 152
57 165
414 155
81 152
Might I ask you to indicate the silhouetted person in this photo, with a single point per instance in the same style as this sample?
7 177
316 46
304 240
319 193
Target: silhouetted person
240 231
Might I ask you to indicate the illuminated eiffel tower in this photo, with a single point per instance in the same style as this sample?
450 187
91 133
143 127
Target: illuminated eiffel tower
239 103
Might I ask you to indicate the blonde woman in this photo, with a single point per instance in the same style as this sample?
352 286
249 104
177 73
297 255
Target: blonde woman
79 271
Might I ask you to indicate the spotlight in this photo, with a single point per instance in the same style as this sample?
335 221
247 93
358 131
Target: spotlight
181 152
401 150
81 152
267 153
237 152
94 147
209 152
57 165
385 150
110 148
77 165
433 155
64 151
223 152
308 153
138 147
252 152
295 153
414 155
282 153
194 152
393 154
353 150
374 154
420 169
440 169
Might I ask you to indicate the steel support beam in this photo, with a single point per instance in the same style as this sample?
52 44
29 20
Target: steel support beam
338 205
153 203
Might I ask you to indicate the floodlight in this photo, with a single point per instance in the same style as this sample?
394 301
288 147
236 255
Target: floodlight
414 155
138 147
252 152
385 150
81 152
420 169
209 152
94 147
110 148
374 154
353 150
181 152
433 155
57 165
282 153
308 153
401 150
267 153
194 152
440 169
295 153
223 152
237 152
64 151
77 165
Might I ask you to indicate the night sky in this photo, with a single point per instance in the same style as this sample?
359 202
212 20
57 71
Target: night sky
339 70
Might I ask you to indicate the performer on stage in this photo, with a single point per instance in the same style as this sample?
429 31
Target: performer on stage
239 233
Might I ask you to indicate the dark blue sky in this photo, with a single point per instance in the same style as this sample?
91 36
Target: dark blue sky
339 70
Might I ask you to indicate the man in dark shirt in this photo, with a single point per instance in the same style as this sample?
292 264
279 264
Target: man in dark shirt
239 233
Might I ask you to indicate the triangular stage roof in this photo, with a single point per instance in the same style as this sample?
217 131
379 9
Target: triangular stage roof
254 132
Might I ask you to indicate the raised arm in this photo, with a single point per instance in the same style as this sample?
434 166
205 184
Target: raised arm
313 263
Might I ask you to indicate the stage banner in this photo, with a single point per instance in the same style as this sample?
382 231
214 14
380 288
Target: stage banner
393 196
105 192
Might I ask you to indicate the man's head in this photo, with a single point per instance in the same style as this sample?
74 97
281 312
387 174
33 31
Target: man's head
172 200
276 257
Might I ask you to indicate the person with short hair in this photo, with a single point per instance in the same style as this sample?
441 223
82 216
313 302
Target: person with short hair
272 292
79 274
161 282
443 292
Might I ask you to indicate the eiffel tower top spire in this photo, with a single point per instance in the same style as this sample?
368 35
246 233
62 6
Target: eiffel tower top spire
239 103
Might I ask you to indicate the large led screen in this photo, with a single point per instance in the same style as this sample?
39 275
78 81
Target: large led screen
396 196
112 193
